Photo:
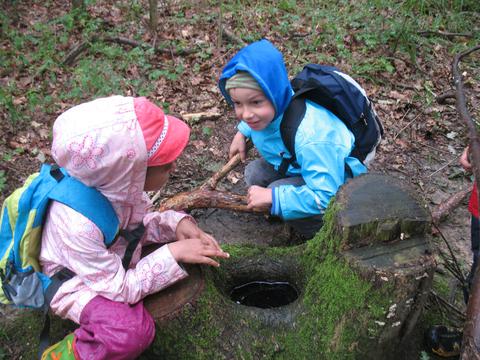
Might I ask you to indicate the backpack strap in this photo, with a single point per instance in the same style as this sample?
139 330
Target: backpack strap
56 281
133 238
291 120
88 201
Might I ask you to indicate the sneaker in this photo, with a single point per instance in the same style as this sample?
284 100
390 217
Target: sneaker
443 341
63 350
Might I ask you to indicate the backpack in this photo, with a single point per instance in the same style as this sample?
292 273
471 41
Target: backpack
344 97
22 217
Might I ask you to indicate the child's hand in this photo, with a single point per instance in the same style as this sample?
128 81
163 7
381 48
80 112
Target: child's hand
186 229
465 159
259 197
197 251
238 146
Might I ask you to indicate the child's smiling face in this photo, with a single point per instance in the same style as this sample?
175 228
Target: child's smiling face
253 107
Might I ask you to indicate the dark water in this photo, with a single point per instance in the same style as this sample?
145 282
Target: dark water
264 294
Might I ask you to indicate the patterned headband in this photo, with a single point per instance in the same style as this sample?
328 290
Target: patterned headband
160 139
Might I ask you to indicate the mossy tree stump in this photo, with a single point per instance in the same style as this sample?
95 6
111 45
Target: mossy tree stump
362 283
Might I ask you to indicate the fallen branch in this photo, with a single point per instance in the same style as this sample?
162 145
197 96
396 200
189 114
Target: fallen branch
202 198
72 56
471 330
231 36
460 314
205 196
220 174
442 98
446 207
406 126
193 118
445 34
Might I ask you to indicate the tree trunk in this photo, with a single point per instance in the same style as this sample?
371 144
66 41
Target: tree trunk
153 12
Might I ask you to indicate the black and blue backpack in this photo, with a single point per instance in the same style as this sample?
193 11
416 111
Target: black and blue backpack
344 97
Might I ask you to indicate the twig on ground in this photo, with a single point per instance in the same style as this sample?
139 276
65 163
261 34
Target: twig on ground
72 56
444 166
406 126
442 210
455 268
193 118
441 301
231 36
444 34
442 98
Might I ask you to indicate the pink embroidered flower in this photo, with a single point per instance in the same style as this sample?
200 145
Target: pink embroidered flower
152 275
131 154
86 152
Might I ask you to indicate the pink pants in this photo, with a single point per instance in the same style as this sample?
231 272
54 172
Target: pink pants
112 330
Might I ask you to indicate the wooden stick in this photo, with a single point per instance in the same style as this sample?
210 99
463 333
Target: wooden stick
202 198
471 330
446 207
71 57
205 196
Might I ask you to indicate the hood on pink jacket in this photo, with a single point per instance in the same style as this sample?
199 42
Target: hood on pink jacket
101 144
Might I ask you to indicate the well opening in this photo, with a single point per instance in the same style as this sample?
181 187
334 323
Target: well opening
261 282
264 294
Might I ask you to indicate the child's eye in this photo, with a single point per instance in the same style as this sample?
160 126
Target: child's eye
257 102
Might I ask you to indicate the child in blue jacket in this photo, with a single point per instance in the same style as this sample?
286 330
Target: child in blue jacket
255 82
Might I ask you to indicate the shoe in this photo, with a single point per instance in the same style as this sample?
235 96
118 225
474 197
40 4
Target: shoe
63 350
443 341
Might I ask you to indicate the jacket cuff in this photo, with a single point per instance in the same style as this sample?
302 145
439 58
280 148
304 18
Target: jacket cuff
275 209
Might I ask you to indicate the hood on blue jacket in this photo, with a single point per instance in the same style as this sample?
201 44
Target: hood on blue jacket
265 63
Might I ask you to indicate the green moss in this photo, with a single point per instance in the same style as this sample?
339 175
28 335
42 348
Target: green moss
192 334
341 306
338 314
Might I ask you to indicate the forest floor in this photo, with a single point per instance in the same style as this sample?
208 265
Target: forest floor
423 139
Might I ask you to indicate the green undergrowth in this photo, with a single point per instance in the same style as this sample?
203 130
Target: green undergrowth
366 37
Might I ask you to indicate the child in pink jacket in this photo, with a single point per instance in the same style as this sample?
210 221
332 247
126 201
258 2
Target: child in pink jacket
122 146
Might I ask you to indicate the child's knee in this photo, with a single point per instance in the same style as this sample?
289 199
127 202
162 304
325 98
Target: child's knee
258 172
114 330
141 332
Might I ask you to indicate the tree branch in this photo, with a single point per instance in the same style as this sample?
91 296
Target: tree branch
471 330
442 210
73 54
205 196
445 34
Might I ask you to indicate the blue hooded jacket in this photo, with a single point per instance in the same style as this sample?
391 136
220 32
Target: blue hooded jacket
322 143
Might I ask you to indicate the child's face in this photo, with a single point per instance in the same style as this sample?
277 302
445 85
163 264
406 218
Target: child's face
253 107
157 176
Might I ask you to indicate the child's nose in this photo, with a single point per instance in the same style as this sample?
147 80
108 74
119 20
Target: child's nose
247 113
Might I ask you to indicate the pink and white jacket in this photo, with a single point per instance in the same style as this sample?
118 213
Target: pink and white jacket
101 144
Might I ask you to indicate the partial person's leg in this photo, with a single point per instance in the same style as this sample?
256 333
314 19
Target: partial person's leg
261 173
113 331
306 227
